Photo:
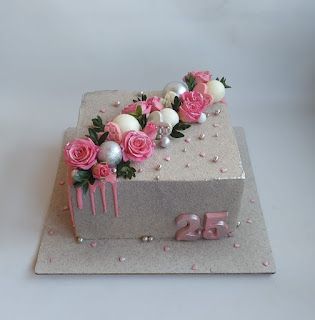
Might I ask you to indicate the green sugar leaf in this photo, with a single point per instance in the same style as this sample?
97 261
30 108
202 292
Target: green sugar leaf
103 137
223 81
190 81
93 135
176 134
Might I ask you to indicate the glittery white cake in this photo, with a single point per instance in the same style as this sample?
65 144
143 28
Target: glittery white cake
190 190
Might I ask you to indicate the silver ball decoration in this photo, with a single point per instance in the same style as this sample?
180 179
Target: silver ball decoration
150 238
165 142
144 238
110 152
175 86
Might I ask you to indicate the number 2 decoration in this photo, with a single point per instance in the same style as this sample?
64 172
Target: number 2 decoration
214 226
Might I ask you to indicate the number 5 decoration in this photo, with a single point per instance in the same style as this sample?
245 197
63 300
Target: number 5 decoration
214 227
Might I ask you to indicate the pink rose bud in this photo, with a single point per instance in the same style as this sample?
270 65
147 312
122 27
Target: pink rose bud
151 130
201 76
100 171
155 104
131 108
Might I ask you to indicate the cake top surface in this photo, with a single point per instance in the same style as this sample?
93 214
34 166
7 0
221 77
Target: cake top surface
208 151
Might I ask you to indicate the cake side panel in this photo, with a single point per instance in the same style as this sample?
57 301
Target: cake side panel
150 208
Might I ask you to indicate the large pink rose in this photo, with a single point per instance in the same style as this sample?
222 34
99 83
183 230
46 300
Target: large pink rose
155 104
136 146
81 153
130 108
151 130
201 76
193 104
100 170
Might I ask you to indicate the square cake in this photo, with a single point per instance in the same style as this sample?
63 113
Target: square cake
175 173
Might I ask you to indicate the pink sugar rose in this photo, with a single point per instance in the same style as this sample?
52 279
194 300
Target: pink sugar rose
130 108
81 153
136 146
154 103
201 76
151 130
100 170
193 104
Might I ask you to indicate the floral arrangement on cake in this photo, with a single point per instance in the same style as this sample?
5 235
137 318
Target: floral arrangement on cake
109 149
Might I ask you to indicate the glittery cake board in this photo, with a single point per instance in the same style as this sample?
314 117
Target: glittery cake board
247 251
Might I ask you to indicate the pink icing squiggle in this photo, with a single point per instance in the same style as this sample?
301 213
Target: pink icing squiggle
92 189
112 179
79 198
102 186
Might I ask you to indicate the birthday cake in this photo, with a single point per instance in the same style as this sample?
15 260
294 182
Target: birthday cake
156 165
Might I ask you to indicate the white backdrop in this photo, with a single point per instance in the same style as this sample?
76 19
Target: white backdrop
53 51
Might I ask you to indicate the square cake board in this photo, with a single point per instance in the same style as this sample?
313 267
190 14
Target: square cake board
247 251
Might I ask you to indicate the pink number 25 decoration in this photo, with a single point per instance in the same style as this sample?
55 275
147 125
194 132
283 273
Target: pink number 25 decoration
215 226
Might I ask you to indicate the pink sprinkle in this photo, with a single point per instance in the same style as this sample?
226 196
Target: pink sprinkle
166 248
236 245
252 200
194 267
249 221
223 170
140 170
65 208
51 232
61 182
93 244
168 158
122 259
216 125
266 263
187 140
202 154
103 110
230 234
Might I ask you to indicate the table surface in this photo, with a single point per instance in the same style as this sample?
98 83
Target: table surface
52 52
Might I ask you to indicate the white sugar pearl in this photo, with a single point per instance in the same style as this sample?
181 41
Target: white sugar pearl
155 117
202 118
165 142
216 89
170 116
126 122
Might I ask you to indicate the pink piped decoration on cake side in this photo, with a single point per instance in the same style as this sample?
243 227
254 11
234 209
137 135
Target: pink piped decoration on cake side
122 259
236 245
194 267
51 232
266 263
187 140
93 244
167 158
92 189
223 170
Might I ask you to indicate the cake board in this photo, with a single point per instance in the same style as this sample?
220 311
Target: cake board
247 251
